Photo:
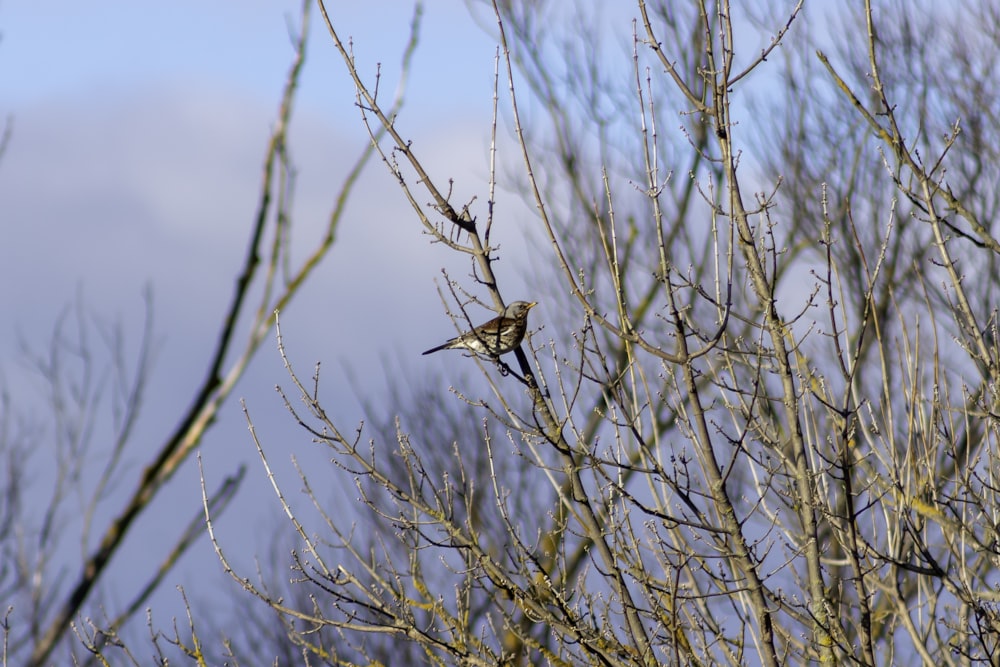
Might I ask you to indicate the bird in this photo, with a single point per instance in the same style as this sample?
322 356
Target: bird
498 336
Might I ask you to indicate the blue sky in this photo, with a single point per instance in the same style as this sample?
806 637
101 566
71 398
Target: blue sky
138 137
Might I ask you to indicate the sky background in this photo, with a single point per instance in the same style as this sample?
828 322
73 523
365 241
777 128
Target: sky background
138 138
139 132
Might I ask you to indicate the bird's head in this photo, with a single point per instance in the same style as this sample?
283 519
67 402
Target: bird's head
519 309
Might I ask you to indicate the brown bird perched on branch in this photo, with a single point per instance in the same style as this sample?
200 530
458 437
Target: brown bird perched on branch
498 336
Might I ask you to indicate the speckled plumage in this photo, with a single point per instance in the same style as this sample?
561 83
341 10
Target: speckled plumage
498 336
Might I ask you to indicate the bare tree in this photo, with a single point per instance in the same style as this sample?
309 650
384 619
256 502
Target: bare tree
763 428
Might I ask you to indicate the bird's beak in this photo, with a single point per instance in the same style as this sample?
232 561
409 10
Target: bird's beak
532 305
